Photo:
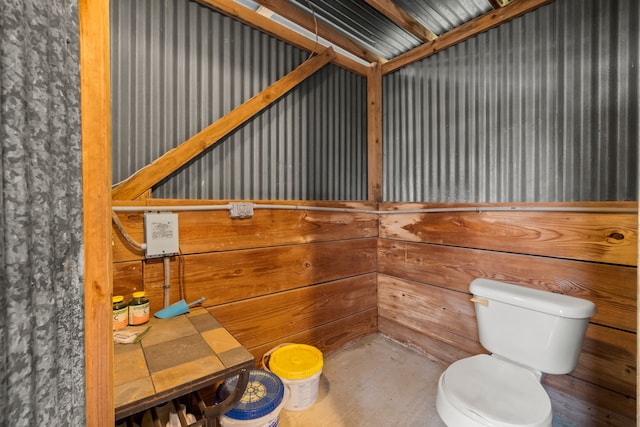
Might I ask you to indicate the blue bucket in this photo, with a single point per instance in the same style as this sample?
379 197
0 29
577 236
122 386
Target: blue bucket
260 404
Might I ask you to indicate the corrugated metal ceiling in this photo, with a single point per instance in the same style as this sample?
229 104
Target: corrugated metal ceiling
383 29
442 16
363 24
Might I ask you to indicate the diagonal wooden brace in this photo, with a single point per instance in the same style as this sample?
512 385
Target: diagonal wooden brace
145 178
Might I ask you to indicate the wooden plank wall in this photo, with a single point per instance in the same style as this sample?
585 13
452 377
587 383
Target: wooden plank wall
328 278
299 276
427 261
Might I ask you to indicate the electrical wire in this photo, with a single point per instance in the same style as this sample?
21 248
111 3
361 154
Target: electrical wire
315 22
116 221
228 206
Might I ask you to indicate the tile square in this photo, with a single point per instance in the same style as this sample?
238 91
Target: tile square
179 376
220 340
204 321
132 391
235 356
119 348
197 311
164 330
176 352
128 363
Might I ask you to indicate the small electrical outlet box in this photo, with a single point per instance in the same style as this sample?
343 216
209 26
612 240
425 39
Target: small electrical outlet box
241 210
161 234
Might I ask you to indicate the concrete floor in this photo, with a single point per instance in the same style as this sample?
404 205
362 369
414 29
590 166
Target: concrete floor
375 382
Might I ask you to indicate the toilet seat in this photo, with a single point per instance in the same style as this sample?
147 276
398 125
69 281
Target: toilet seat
486 391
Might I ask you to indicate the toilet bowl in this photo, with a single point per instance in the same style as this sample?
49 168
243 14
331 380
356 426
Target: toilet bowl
528 332
486 391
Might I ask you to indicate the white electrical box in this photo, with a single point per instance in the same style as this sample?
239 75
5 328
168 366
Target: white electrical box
161 234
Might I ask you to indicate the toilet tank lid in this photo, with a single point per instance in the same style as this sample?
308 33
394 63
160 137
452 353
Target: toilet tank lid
533 299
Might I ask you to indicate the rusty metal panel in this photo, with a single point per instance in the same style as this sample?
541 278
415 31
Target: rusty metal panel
541 109
178 66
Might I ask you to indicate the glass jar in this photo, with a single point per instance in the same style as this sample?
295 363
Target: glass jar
120 312
138 309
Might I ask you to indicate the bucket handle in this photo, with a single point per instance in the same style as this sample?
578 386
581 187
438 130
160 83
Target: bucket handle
264 362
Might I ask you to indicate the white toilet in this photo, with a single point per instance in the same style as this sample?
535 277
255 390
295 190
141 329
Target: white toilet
529 332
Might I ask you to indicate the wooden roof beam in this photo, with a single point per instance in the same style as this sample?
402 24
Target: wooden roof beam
401 18
266 25
307 21
463 32
150 175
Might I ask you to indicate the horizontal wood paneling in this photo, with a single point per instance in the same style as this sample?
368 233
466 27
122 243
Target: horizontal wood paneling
257 321
284 275
426 262
588 405
326 278
610 238
433 348
435 312
608 356
611 287
209 231
411 312
223 277
330 336
127 278
608 359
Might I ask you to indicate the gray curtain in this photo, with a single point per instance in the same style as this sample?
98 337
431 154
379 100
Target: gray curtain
41 249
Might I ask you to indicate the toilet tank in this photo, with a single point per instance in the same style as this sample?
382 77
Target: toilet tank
538 329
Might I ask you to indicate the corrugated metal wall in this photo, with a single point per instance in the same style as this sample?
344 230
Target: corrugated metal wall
544 108
178 66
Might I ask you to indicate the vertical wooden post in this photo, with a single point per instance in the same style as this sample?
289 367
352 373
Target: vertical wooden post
96 187
374 132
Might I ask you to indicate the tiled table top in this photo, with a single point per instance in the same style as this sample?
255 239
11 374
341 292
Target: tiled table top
177 356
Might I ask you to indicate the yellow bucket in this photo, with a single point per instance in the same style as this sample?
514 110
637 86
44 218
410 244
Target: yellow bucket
299 366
